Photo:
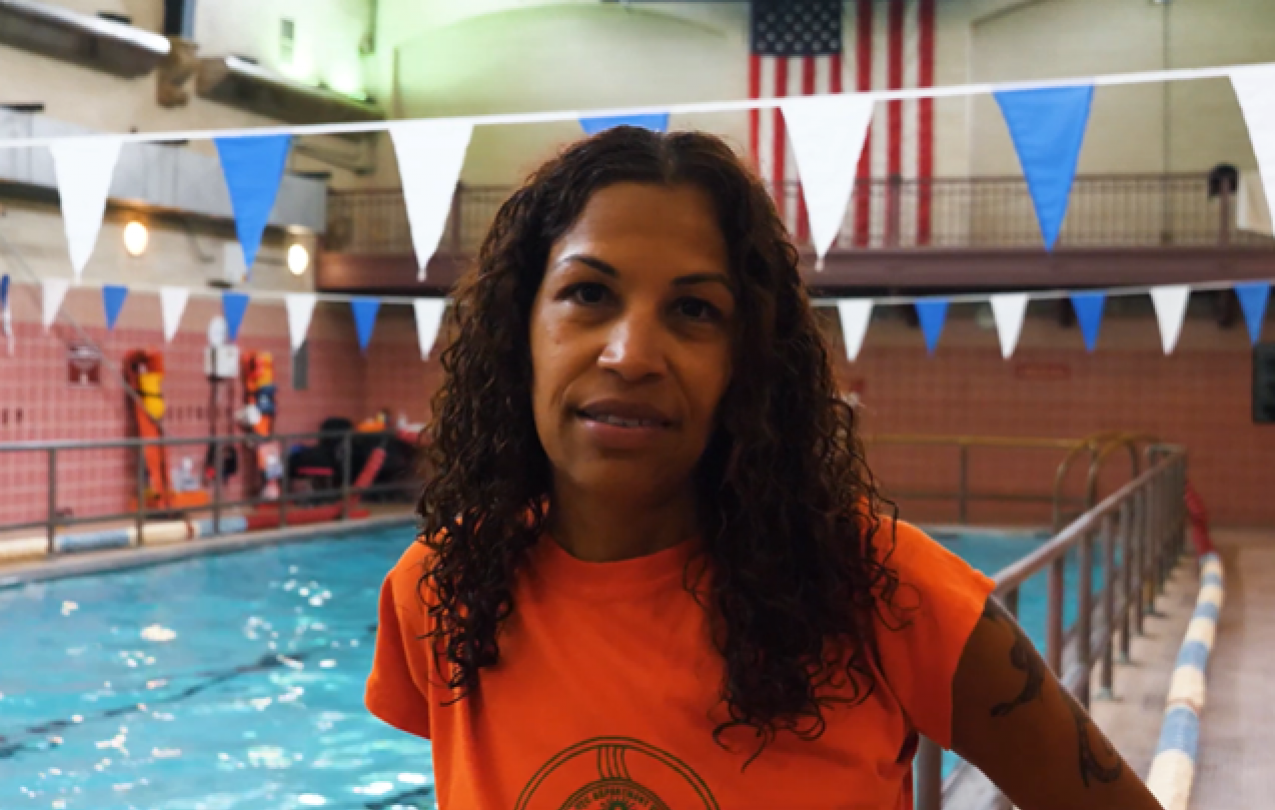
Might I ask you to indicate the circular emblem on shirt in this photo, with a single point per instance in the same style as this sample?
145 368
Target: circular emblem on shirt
615 773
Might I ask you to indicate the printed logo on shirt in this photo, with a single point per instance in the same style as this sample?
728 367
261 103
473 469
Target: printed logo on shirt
615 773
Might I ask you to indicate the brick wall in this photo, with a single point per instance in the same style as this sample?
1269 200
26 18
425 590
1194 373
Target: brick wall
1052 388
1198 397
38 404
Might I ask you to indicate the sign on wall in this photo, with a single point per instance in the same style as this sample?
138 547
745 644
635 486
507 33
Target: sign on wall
83 366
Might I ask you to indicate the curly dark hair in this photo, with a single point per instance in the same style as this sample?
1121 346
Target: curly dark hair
791 507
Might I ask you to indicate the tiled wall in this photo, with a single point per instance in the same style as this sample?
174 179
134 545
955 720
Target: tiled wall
38 404
1199 397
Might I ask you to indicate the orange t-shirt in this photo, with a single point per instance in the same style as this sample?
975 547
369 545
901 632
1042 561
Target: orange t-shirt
607 693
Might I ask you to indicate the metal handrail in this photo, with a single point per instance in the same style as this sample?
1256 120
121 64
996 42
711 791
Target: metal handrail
1140 529
963 495
53 520
1099 446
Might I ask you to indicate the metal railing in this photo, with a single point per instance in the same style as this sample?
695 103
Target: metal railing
1132 540
1123 211
1097 449
219 504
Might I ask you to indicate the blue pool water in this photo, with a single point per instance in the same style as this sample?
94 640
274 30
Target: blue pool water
233 683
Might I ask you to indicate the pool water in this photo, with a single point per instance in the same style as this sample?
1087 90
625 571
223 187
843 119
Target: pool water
235 682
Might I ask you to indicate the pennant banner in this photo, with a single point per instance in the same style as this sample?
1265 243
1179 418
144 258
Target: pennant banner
655 121
856 314
430 155
1048 129
1253 88
83 168
827 134
1088 308
1170 311
172 303
113 297
253 169
1253 298
52 294
429 317
933 313
365 310
1009 311
233 306
300 307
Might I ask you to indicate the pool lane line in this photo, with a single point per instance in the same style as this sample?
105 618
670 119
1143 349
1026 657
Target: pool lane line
270 661
1173 769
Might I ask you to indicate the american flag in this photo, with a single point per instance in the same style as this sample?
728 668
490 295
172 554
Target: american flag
797 48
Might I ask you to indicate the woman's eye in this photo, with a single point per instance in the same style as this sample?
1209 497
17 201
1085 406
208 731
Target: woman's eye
697 309
587 294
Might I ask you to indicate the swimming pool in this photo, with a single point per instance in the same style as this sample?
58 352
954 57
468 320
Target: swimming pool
233 682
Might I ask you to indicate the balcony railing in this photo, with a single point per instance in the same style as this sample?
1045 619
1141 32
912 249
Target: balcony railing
1105 211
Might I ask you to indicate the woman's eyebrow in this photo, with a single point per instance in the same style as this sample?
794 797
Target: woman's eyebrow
681 281
590 261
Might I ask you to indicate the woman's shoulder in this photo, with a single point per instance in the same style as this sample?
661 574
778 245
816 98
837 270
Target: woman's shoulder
408 574
922 564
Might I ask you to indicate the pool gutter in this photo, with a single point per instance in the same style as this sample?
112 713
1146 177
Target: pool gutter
144 556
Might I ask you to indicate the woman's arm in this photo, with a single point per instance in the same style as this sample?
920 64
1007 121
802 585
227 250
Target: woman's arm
1015 721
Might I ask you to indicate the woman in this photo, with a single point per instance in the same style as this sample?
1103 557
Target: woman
654 571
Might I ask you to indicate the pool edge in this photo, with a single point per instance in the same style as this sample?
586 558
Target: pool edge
146 556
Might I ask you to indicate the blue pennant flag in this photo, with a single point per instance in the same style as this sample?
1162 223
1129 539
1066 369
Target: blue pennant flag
657 122
253 168
365 310
233 306
1048 129
1088 308
113 301
932 313
1253 299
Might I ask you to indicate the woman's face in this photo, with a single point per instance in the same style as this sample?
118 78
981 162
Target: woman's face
631 335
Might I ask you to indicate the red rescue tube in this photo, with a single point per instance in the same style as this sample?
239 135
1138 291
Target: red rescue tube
1199 518
267 517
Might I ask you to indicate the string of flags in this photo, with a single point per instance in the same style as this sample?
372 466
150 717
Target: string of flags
299 308
1008 311
1046 122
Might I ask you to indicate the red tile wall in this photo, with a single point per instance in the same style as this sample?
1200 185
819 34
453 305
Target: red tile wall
1199 397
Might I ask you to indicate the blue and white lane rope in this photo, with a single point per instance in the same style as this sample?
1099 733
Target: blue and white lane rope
1173 769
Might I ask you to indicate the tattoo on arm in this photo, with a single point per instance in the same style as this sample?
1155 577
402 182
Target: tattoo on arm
1100 763
1021 657
1091 761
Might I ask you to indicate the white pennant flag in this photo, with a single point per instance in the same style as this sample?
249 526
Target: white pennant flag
83 167
1253 88
429 317
1009 311
172 303
827 135
430 155
1170 312
855 314
54 293
300 308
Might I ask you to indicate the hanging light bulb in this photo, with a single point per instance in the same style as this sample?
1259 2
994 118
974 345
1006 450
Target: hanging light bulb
136 238
298 259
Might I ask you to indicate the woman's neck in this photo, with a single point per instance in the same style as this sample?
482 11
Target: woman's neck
599 528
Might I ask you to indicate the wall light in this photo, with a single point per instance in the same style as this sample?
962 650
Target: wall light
298 259
136 238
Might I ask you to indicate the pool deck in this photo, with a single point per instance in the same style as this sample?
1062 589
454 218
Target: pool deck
1132 718
89 562
1237 728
